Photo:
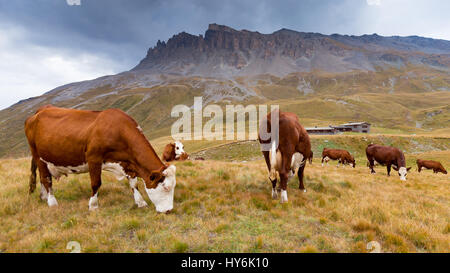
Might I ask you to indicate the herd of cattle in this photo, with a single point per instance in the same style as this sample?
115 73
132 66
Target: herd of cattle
69 141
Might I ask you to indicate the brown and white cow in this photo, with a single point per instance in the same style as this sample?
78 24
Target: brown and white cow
387 156
287 154
174 151
430 164
64 141
343 156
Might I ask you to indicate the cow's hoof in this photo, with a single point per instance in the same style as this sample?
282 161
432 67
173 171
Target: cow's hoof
93 203
51 201
304 190
284 198
274 194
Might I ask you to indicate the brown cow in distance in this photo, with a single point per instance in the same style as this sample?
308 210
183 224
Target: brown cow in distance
174 151
64 141
430 164
387 156
343 156
287 153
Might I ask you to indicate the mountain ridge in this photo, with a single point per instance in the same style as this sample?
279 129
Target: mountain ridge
226 52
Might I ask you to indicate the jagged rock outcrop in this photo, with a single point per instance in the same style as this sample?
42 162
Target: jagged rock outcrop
225 52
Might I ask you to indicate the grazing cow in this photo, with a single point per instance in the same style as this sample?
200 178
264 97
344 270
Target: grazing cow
342 156
430 164
289 154
174 151
64 141
387 156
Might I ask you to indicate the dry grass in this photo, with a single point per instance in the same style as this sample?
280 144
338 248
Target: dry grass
227 207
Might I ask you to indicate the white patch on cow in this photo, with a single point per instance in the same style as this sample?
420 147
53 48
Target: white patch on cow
116 169
274 194
93 202
273 161
297 161
51 200
326 159
140 129
284 197
179 149
403 172
43 194
140 202
162 195
58 171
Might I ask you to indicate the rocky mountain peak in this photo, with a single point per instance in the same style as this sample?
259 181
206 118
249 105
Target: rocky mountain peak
226 52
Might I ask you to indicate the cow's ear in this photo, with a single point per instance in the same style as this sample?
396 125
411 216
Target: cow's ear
407 169
395 168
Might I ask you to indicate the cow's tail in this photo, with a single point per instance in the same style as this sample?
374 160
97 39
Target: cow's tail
273 161
33 176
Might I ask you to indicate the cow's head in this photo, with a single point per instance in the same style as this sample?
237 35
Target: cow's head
179 149
160 188
402 172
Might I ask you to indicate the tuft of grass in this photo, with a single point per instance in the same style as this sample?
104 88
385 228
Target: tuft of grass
179 247
308 249
224 175
69 223
131 224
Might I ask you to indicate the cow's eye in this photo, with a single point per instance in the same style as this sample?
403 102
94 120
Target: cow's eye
178 148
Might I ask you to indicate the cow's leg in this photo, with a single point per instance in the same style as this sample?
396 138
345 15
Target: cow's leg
46 184
283 186
140 202
274 181
274 190
284 174
388 166
419 168
95 172
300 172
322 160
371 163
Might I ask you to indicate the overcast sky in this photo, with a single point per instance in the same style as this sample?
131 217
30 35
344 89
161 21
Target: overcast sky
48 43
